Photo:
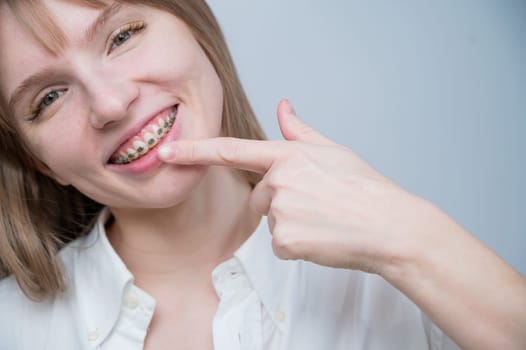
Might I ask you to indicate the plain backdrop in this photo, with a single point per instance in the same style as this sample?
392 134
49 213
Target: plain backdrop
431 93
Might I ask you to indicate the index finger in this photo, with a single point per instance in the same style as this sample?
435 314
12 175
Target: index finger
252 155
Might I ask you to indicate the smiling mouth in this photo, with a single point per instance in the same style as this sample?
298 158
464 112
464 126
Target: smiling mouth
141 144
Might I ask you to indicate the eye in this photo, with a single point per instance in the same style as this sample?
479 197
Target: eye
44 102
124 33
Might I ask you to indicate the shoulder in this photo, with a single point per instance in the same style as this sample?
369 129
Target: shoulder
51 322
21 316
13 303
11 297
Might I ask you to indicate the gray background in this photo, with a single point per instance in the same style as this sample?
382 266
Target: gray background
433 94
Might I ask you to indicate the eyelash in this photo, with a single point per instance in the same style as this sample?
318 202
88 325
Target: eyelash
129 29
41 103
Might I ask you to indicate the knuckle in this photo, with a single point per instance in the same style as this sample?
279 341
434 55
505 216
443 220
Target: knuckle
278 206
192 153
280 235
229 151
277 179
281 246
285 245
259 201
273 179
306 130
279 252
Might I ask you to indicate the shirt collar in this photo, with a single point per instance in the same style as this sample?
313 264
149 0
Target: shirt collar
267 274
99 279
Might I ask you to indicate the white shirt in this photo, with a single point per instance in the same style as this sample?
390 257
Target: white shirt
265 303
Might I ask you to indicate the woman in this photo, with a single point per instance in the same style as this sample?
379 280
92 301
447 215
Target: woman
125 224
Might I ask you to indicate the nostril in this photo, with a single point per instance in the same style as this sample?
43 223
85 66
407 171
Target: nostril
108 124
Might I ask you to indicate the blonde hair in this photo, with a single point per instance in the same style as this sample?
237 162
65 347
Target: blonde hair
37 215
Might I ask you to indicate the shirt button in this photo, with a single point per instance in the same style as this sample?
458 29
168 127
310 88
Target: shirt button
280 316
93 334
131 301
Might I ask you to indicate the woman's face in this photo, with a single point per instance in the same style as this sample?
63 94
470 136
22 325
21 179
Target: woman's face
94 114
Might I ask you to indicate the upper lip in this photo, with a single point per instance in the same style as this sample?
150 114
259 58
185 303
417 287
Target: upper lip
137 127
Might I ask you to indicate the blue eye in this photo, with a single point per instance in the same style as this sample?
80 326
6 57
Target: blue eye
47 100
50 98
124 34
122 37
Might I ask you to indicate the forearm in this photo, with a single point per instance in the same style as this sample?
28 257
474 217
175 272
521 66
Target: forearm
467 290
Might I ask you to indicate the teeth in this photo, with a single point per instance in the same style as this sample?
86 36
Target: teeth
123 158
132 154
150 139
162 123
171 117
158 131
143 144
140 147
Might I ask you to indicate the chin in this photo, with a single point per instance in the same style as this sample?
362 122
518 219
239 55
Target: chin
170 189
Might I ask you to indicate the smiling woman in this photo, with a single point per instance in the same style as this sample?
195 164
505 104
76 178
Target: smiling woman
140 207
34 202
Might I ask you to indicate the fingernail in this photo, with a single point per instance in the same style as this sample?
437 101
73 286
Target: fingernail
166 153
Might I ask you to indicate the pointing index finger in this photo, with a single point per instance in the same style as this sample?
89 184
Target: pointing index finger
252 155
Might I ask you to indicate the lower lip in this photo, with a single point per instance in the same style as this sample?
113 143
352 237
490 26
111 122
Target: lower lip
150 160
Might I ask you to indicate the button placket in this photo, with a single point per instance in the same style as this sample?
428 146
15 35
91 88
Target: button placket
131 301
280 316
93 334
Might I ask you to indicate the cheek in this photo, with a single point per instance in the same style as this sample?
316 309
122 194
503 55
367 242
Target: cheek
208 94
216 91
59 146
213 101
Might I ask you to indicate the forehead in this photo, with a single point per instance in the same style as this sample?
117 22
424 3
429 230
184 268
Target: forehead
50 20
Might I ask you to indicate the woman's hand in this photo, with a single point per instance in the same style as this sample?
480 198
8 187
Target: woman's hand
326 205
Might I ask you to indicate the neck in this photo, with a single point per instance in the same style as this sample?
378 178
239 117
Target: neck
191 238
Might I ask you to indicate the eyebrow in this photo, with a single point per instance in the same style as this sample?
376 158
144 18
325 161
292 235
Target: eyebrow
101 20
41 77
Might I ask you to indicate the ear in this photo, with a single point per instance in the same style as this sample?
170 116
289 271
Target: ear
44 169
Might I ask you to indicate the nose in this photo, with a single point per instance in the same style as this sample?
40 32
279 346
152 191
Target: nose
110 98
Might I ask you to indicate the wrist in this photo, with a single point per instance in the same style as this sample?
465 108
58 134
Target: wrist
424 237
462 286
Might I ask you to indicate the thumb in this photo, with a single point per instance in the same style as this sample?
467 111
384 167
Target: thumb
294 129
